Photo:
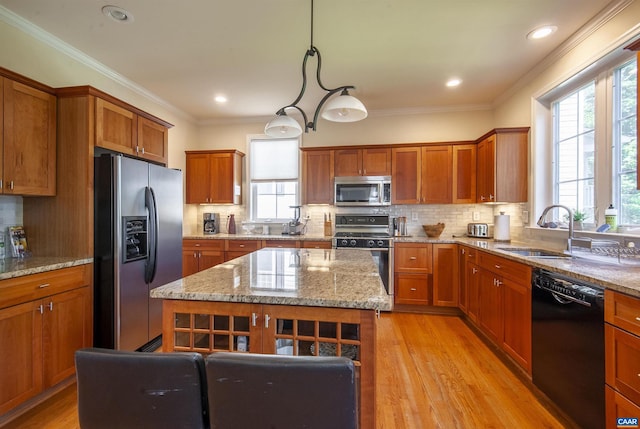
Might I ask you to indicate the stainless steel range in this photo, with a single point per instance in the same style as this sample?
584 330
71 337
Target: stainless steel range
372 232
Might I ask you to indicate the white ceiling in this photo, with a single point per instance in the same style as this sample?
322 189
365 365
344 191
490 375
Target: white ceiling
398 53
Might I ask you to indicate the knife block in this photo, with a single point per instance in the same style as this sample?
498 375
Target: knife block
328 230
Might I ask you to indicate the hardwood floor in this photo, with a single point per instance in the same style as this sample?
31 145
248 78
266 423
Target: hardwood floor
433 372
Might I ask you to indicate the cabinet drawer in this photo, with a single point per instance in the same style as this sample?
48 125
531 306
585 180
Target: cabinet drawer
622 311
622 362
242 245
413 289
27 288
282 244
516 271
469 253
316 244
209 244
414 257
618 406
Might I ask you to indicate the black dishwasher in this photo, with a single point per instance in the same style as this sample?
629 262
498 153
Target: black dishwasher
568 345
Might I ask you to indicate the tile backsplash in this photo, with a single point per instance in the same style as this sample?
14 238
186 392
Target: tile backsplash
10 212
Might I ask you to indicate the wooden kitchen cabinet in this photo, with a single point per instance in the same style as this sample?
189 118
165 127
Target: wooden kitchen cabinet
198 255
622 354
28 139
122 130
236 248
363 162
317 176
214 177
466 256
282 244
504 312
436 174
445 275
406 175
316 244
502 166
464 173
413 269
44 319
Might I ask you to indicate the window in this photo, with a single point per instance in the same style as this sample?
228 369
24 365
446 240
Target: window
273 172
625 144
595 143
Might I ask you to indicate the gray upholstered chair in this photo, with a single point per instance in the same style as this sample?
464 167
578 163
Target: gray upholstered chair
270 391
120 389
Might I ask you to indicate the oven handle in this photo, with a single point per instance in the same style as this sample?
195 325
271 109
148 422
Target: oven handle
556 295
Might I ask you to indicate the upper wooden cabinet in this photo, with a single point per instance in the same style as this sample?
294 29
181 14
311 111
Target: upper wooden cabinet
464 174
437 175
406 175
123 130
28 139
214 177
502 166
363 162
317 176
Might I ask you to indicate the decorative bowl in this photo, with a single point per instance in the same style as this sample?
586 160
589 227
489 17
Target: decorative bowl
433 231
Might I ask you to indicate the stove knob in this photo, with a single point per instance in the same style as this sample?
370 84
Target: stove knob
352 243
371 243
343 242
380 243
372 220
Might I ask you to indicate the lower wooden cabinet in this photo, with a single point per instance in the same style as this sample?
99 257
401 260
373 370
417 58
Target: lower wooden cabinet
445 275
622 356
412 277
316 244
39 337
198 255
236 248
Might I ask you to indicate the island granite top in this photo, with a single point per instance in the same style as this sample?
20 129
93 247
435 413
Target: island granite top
306 277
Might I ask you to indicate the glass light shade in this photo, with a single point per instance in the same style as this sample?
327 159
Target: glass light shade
344 108
283 126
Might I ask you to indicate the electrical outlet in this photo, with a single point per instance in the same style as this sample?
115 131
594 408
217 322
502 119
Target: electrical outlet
414 216
475 216
525 216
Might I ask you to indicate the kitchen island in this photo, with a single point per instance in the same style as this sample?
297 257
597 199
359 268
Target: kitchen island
282 301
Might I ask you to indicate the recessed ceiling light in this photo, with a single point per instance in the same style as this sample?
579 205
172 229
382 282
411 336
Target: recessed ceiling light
220 99
542 32
453 82
117 14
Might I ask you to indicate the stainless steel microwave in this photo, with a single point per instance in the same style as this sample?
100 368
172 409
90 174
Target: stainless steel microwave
363 191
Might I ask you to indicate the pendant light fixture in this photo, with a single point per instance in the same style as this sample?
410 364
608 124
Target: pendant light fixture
342 108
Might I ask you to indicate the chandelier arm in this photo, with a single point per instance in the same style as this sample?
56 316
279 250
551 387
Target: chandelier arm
329 93
318 67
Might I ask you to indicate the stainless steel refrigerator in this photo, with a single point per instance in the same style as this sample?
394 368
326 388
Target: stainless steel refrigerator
138 247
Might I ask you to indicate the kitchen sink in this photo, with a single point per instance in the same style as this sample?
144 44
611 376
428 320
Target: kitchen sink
534 253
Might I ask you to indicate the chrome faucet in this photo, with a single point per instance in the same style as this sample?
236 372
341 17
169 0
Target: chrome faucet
541 223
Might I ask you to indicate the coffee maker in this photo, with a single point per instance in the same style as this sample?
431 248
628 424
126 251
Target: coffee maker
210 223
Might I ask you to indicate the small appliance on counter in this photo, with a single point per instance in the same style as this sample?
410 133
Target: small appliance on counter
294 226
210 223
480 230
399 226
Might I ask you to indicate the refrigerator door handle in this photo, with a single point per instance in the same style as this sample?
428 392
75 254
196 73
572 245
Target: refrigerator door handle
150 203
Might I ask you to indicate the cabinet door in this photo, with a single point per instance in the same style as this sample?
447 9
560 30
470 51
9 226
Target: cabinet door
622 362
317 177
189 262
486 170
436 176
473 291
464 174
445 275
376 162
348 162
618 406
210 258
153 141
406 175
490 313
517 322
116 128
21 356
67 327
511 160
29 158
221 181
197 177
462 278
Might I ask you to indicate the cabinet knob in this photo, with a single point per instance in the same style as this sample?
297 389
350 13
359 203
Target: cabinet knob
638 318
40 309
413 289
266 320
43 285
413 258
497 266
462 251
50 305
474 270
11 185
254 319
242 245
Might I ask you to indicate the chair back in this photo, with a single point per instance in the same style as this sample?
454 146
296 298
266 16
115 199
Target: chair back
122 389
271 391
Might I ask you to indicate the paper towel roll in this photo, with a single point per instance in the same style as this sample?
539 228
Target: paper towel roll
501 228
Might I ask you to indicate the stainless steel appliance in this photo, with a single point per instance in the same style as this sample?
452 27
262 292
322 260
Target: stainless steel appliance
294 226
210 223
363 191
368 232
480 230
138 246
567 345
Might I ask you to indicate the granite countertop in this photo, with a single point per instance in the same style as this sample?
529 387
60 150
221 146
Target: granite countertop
223 236
16 267
305 277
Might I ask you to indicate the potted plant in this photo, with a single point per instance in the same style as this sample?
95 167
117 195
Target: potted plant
578 219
